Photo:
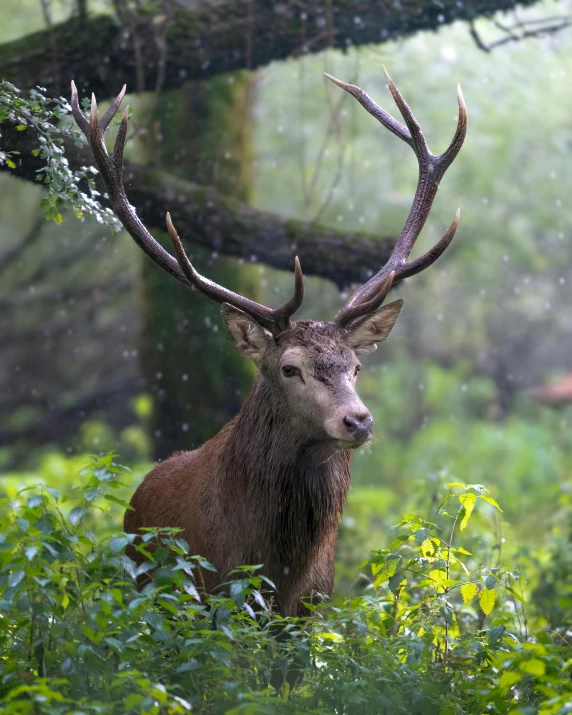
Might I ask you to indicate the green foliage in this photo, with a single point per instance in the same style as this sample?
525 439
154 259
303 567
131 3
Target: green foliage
44 116
433 421
77 635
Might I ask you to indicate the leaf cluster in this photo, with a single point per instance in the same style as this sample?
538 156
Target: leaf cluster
83 629
46 119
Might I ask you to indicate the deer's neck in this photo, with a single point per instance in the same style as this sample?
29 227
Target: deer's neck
295 487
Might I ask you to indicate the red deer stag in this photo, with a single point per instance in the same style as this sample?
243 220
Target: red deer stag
270 486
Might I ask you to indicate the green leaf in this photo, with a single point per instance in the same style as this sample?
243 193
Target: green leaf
468 501
490 581
31 551
487 600
15 578
397 582
447 614
534 666
461 550
380 578
438 575
21 127
468 591
24 524
76 514
490 501
116 500
401 539
393 561
508 679
53 492
34 501
118 543
192 664
427 548
495 634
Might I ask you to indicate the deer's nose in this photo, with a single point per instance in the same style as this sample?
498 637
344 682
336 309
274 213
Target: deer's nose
360 427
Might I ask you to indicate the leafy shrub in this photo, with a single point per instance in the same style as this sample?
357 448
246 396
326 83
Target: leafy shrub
43 117
436 629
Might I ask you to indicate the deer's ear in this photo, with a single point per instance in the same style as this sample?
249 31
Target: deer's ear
250 338
374 329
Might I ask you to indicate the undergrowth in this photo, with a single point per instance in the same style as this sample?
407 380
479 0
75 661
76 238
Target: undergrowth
437 623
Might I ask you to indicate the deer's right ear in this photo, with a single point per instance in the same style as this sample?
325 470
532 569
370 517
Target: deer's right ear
250 338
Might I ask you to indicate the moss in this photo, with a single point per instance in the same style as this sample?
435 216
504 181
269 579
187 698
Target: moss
194 399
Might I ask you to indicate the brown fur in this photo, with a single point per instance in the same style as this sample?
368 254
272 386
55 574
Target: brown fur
270 487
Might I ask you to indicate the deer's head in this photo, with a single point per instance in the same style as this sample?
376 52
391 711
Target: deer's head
312 367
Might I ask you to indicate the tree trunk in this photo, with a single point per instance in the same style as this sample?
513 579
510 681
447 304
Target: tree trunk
208 141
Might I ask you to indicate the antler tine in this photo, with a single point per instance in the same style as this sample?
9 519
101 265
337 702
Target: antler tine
111 170
112 111
366 307
120 140
274 320
417 139
424 261
81 121
374 109
431 171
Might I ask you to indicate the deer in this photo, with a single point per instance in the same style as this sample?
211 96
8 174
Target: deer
270 487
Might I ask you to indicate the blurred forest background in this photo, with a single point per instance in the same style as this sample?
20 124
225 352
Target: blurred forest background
237 133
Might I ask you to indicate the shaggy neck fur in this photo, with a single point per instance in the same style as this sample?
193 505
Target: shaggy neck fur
293 489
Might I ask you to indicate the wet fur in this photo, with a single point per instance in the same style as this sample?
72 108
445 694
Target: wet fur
261 491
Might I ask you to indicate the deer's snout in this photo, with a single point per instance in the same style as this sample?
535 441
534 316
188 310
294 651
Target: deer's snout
359 426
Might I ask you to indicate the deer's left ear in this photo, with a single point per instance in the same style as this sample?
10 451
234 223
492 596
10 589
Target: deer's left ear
375 328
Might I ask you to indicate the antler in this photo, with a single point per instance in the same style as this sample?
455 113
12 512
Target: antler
371 295
181 268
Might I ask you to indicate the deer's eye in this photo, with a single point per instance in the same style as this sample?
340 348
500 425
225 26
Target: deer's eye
290 371
357 369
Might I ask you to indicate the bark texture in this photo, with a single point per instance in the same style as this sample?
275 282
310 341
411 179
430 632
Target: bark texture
163 51
207 218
